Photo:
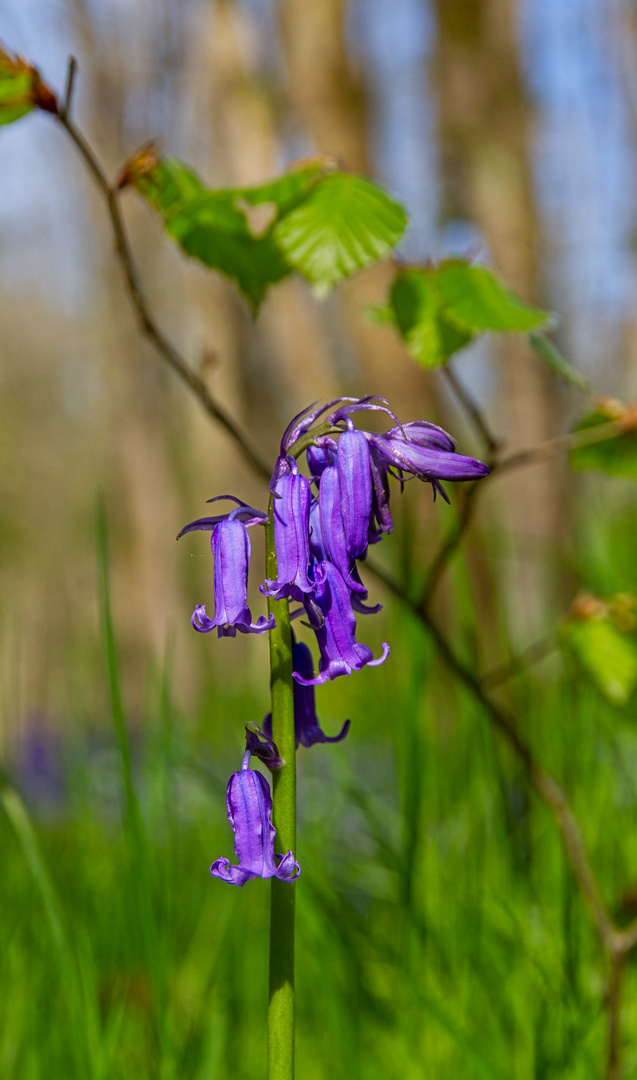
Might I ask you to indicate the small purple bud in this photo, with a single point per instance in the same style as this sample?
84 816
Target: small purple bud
260 745
320 456
425 434
249 808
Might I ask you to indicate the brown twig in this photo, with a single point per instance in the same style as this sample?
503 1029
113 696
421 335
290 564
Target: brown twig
65 111
615 941
531 655
451 542
574 440
472 409
145 319
562 444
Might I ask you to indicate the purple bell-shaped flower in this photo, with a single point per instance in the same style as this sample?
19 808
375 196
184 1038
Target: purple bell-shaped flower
340 652
231 556
291 536
249 812
355 481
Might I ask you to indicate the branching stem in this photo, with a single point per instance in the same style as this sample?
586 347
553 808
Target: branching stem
617 942
472 409
145 320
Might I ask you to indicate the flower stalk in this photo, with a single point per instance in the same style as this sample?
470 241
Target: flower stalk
281 1005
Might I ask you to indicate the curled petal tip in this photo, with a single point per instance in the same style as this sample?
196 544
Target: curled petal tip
288 869
318 680
381 659
341 735
200 621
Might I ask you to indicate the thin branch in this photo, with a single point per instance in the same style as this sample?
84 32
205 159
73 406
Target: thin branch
564 444
544 451
451 542
145 320
472 409
531 655
544 784
70 84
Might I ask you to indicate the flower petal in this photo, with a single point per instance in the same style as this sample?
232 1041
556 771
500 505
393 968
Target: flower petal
355 482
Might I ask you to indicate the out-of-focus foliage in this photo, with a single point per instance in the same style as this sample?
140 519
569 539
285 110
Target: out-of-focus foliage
601 635
558 363
616 456
430 882
440 309
21 89
326 225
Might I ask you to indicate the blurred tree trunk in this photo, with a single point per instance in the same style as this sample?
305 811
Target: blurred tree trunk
328 98
148 595
485 130
286 351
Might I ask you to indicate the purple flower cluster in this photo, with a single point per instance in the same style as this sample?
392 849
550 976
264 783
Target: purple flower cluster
323 524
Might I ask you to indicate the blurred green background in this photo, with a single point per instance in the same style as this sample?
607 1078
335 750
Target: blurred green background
440 933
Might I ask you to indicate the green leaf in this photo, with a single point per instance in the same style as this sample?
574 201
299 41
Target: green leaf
343 225
608 655
440 309
229 230
475 298
558 363
416 305
16 88
324 226
616 456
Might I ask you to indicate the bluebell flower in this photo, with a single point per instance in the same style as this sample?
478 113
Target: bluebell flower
230 544
328 528
307 726
340 652
382 521
426 451
249 812
355 481
291 536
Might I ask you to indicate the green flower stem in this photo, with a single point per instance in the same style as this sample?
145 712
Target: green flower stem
281 1008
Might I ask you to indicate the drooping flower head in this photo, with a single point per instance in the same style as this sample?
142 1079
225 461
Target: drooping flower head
291 509
230 544
426 451
340 652
249 806
319 537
